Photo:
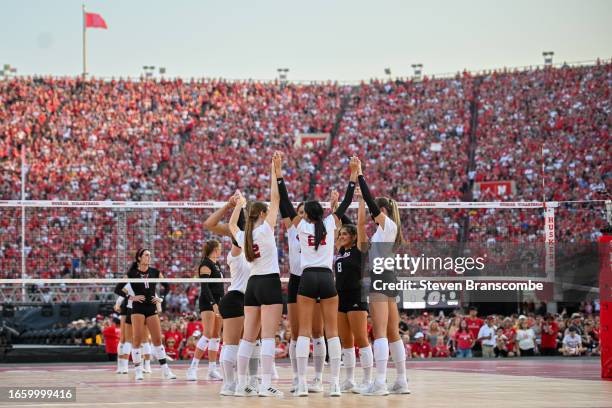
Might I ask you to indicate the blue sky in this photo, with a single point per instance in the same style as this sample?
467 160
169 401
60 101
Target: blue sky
315 39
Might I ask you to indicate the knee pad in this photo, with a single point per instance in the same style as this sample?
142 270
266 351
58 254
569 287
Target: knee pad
267 347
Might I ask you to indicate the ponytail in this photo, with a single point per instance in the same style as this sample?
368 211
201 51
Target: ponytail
393 213
314 211
253 215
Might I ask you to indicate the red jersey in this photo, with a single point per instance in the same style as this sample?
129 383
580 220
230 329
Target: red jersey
421 349
474 325
188 352
172 352
177 336
442 351
464 340
549 341
111 339
193 326
511 336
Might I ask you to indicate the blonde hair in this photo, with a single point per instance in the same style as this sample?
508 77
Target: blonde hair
393 212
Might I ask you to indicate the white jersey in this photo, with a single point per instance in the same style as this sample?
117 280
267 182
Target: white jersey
264 246
383 241
295 260
239 272
322 257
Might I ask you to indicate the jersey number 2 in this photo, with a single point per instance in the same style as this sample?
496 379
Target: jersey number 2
311 241
256 251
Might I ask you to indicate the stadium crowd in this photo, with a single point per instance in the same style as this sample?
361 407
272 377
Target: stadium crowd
429 140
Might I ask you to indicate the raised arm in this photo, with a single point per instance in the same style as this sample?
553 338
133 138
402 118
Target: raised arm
274 197
362 237
350 190
379 217
212 222
288 213
233 222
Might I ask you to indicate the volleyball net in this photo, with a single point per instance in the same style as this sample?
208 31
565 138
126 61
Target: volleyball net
59 251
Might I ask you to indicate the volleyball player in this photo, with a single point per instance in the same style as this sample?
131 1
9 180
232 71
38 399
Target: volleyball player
263 301
144 313
295 269
210 295
383 304
231 306
125 329
352 307
316 236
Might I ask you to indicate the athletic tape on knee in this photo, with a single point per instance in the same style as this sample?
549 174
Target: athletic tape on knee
318 347
381 349
202 343
127 348
349 357
302 348
146 348
366 357
160 352
267 347
245 349
213 345
334 348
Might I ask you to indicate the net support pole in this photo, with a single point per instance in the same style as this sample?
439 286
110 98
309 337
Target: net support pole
23 220
549 256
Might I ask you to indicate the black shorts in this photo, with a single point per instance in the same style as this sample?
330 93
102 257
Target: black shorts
128 315
351 301
317 283
292 288
232 305
206 306
146 309
263 290
384 278
123 309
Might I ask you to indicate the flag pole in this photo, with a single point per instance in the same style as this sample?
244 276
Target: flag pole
84 45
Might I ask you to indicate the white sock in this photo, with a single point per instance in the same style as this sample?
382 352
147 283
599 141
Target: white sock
146 349
159 352
350 360
245 349
119 353
227 359
381 356
292 358
366 358
195 363
267 361
127 348
335 354
318 356
302 349
255 357
136 356
398 354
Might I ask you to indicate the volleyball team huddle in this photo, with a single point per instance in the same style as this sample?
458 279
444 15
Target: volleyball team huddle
325 297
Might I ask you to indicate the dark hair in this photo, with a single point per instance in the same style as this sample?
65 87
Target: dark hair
254 211
210 246
393 212
297 209
137 257
351 229
314 211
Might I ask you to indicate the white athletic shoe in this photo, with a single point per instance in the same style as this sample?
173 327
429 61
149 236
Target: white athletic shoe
294 385
138 373
375 389
360 388
316 386
245 391
192 374
334 389
167 374
228 390
399 387
214 375
254 382
121 367
347 386
146 367
301 390
270 392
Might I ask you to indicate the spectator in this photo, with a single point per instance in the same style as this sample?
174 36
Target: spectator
280 349
486 335
441 349
172 348
525 338
464 341
189 349
111 334
549 333
572 344
501 343
421 348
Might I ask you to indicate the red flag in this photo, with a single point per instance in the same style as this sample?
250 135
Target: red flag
93 20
